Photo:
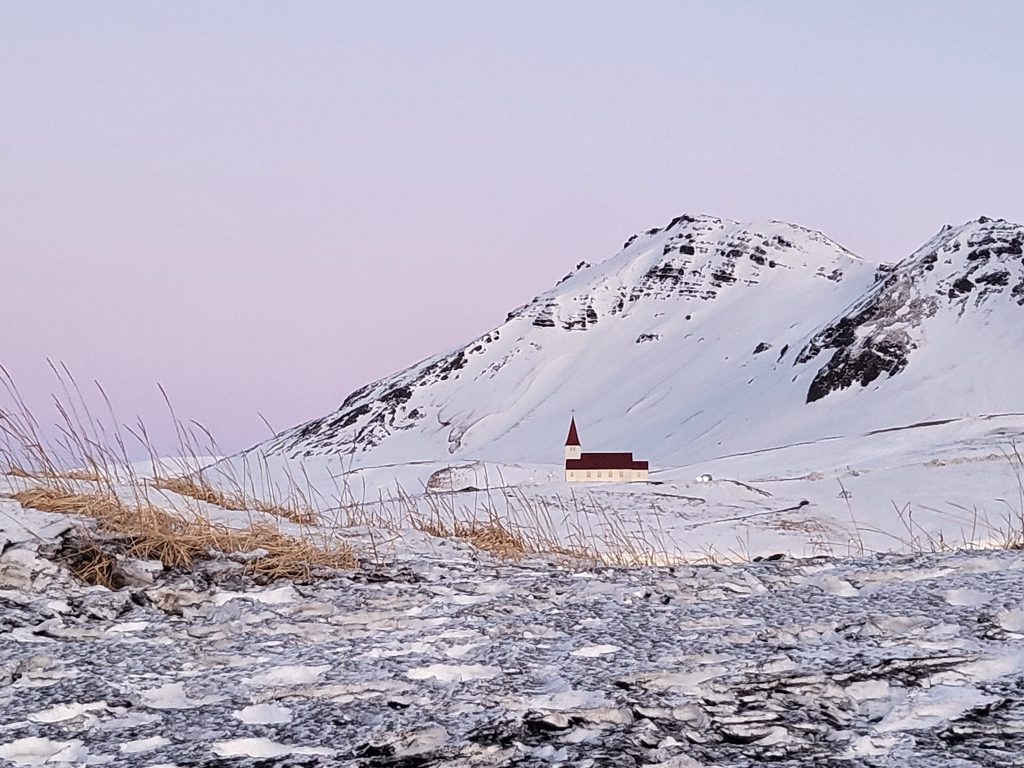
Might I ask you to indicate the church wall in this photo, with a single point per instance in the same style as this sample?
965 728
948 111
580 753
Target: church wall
605 475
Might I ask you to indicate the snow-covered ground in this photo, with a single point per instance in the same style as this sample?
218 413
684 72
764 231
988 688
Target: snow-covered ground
933 485
894 660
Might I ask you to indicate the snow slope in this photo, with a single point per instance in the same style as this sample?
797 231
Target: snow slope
764 355
705 338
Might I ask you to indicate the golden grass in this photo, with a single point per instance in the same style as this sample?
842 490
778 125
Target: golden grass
77 475
198 489
180 540
184 486
83 475
90 564
493 535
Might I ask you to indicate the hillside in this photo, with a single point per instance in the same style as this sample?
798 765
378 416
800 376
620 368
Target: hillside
705 338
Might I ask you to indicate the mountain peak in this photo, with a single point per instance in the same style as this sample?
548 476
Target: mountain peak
704 337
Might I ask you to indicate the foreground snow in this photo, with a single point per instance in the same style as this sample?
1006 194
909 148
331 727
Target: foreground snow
912 486
897 660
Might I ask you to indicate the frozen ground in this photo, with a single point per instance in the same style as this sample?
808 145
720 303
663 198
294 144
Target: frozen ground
929 485
884 661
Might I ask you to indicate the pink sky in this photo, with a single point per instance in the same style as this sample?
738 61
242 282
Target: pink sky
265 205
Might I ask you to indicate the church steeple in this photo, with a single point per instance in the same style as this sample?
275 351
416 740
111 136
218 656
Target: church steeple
572 442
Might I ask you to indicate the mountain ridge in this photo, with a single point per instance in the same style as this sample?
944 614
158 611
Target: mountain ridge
692 329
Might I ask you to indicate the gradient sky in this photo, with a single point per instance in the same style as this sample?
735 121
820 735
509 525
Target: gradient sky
265 205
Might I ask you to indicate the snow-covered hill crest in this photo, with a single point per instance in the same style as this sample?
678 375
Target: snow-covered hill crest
967 273
700 338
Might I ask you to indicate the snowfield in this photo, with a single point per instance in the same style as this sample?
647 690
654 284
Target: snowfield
706 338
838 406
886 660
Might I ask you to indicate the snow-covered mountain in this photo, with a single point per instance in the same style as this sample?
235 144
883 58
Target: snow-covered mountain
707 338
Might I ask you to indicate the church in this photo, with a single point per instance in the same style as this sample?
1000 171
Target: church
600 467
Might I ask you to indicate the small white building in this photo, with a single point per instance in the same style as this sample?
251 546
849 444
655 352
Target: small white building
600 467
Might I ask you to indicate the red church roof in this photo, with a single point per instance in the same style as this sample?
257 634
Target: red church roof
605 461
573 438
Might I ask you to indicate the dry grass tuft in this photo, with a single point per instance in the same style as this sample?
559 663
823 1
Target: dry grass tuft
83 475
180 540
198 489
492 535
45 499
184 486
90 564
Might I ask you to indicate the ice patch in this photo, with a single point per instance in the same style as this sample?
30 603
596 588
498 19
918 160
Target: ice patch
289 675
279 596
471 599
777 735
173 696
453 673
833 585
868 689
592 651
133 719
932 707
144 745
390 653
264 748
264 714
871 745
1011 621
685 681
128 626
565 701
895 625
60 712
458 651
38 751
990 668
967 597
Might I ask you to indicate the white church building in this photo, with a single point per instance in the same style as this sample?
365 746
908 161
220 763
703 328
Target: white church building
600 467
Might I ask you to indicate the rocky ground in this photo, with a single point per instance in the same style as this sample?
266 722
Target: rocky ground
910 661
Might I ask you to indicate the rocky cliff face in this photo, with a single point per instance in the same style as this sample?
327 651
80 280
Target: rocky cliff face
961 270
692 331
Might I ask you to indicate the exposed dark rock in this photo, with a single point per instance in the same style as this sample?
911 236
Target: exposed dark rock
721 276
861 366
349 417
963 285
878 335
882 271
1001 277
397 395
684 219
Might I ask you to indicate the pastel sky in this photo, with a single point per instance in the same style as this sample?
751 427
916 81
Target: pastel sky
263 206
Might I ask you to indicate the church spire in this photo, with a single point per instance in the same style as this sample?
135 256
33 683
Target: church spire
573 439
572 442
